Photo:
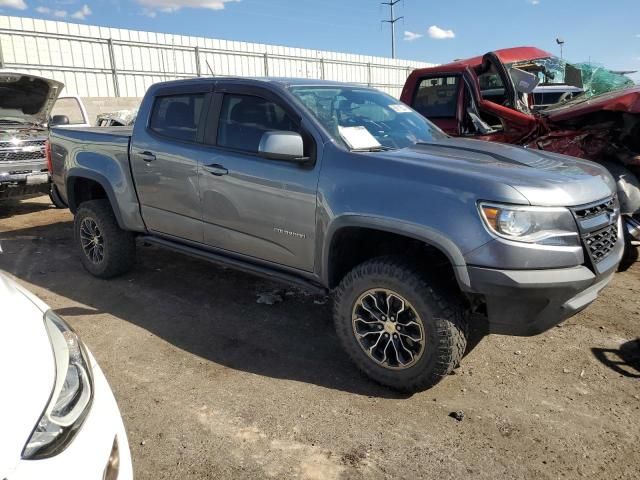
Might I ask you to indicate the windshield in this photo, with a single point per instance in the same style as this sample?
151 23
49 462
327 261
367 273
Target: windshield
366 119
592 79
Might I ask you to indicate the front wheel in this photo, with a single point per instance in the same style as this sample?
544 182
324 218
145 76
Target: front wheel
105 249
400 329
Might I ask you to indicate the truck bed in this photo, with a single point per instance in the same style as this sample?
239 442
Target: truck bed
113 131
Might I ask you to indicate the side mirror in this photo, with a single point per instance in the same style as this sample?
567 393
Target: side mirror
280 145
524 82
58 120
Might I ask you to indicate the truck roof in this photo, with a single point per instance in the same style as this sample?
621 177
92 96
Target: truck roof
505 55
280 81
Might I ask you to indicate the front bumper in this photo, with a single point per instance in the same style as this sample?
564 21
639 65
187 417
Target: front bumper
87 455
19 185
529 302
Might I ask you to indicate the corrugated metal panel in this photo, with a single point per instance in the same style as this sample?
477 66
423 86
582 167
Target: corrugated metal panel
79 55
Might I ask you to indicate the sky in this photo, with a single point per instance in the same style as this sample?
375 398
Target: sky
606 32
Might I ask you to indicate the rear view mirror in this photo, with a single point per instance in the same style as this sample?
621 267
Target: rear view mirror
524 82
281 145
58 120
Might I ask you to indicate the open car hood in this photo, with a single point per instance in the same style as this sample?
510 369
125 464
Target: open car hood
27 98
625 100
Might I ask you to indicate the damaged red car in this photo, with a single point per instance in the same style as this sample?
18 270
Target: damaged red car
526 96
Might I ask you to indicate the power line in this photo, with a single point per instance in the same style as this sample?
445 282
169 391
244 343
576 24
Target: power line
392 20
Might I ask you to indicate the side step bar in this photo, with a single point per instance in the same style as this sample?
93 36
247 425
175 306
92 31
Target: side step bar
265 272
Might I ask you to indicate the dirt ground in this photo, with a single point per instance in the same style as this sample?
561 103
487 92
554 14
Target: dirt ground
212 384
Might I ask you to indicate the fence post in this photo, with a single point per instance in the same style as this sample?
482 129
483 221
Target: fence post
266 64
322 68
114 70
198 66
368 74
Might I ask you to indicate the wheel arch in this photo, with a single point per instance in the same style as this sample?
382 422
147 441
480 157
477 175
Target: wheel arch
76 178
410 231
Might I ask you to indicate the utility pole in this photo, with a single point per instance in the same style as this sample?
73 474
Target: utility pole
560 42
392 20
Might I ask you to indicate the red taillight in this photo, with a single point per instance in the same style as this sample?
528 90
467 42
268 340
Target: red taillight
47 152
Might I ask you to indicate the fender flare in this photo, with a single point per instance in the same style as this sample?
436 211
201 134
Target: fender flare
75 174
422 233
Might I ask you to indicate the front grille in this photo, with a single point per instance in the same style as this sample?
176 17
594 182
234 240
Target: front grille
600 244
594 210
598 224
21 156
24 151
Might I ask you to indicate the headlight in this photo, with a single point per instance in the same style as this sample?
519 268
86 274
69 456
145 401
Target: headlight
540 225
71 396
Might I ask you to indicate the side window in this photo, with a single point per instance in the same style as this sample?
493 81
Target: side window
177 116
245 118
437 97
70 107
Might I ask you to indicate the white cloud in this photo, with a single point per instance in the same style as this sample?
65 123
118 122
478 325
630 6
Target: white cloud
83 13
169 6
411 36
54 13
534 2
19 4
438 33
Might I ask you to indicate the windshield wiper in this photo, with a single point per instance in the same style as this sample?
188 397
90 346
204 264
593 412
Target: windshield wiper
381 148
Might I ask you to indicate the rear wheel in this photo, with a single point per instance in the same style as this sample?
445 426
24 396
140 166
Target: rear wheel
397 326
105 249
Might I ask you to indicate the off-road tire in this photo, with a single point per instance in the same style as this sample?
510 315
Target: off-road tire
119 245
55 197
441 312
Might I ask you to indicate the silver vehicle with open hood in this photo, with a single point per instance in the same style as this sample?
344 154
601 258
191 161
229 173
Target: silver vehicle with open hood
25 105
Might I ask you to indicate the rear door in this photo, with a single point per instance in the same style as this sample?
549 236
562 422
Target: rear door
165 158
251 205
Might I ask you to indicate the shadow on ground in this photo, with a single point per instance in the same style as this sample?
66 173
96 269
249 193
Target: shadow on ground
625 360
11 207
196 306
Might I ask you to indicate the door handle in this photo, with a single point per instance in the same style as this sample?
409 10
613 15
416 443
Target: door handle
147 156
215 169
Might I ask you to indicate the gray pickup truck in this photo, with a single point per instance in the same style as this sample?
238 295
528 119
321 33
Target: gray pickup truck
342 188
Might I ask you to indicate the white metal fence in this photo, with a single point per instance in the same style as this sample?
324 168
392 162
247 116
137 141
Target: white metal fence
95 61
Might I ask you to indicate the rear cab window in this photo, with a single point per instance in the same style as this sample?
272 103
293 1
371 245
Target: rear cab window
177 116
437 97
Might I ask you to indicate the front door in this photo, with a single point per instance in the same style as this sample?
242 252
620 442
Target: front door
251 205
165 157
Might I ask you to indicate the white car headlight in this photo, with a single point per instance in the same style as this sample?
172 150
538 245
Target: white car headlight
71 397
541 225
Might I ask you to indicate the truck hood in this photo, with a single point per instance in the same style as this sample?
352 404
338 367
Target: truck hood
626 100
27 374
27 98
543 178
